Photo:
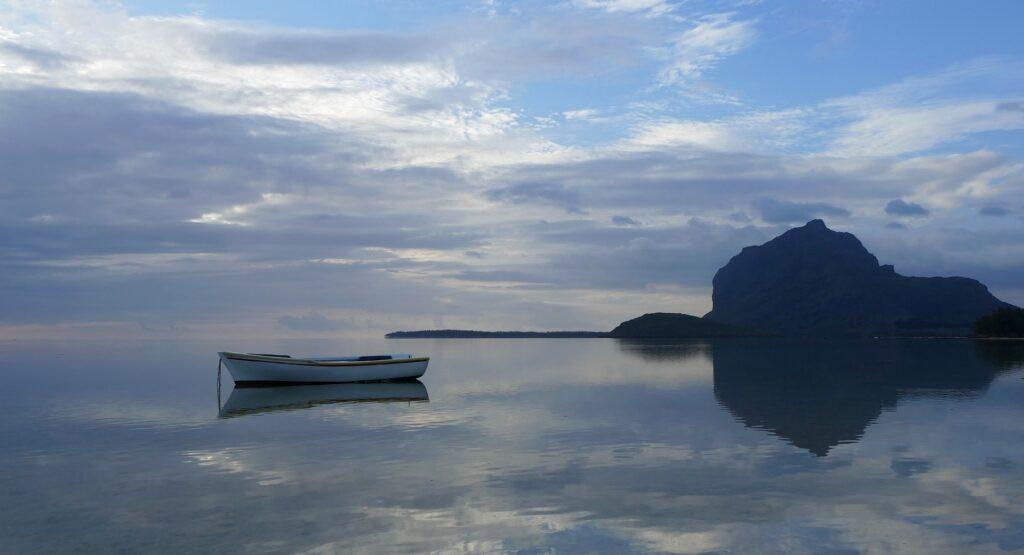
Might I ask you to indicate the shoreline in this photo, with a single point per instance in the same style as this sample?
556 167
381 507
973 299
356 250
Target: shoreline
598 335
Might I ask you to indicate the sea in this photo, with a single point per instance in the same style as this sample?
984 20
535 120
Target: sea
518 446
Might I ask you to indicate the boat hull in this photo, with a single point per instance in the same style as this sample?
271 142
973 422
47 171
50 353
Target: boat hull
255 370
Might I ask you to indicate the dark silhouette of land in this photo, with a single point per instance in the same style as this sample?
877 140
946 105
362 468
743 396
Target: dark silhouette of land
658 325
654 325
1005 322
474 334
810 281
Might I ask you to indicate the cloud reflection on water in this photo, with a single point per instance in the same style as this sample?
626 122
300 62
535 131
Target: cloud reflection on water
914 447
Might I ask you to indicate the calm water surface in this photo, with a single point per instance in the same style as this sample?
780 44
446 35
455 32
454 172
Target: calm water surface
530 446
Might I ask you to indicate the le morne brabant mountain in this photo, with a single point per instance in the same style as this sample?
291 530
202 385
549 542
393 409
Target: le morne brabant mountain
814 281
810 280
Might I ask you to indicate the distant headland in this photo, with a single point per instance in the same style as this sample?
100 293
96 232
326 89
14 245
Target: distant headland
648 326
809 281
474 334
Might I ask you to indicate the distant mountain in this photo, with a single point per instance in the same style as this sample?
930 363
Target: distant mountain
474 334
812 280
664 325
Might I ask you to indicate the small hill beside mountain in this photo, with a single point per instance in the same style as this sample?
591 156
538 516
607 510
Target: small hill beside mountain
1005 322
664 325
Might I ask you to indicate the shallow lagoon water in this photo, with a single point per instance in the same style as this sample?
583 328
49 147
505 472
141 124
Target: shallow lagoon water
550 445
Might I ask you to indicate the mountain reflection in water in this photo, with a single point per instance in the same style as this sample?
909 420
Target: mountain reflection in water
819 394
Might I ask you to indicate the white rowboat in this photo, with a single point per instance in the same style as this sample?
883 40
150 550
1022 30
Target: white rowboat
268 369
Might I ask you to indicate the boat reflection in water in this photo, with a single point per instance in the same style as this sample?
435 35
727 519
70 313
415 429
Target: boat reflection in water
819 394
255 400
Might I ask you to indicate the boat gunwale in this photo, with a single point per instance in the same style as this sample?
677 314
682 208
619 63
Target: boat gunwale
313 362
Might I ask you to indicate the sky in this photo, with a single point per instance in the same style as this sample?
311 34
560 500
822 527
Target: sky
269 169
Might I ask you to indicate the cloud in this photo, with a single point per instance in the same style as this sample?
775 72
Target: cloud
900 207
552 194
365 83
688 134
624 220
648 7
40 58
584 114
994 210
163 167
174 171
135 158
311 321
554 44
900 129
704 45
497 275
763 132
780 211
922 112
107 230
590 254
253 47
697 181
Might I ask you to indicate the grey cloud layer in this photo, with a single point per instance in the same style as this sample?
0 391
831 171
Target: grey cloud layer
780 211
41 58
119 157
307 179
321 48
900 207
120 182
